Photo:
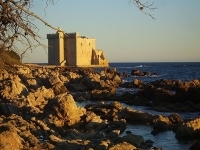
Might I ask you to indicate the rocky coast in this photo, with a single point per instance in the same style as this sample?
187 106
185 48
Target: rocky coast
38 109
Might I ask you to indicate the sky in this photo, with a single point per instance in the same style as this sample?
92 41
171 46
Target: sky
123 32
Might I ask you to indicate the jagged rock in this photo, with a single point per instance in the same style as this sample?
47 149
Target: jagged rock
55 139
94 122
9 138
117 105
8 108
195 145
59 88
175 118
114 133
13 88
162 123
134 116
4 74
40 97
23 69
92 81
78 87
16 134
30 81
189 129
64 111
103 94
54 79
72 75
138 83
103 145
135 140
137 72
117 79
123 145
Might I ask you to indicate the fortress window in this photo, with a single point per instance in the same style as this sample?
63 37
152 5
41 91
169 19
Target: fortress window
89 44
81 44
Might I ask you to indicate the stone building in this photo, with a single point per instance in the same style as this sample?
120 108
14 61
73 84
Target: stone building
71 49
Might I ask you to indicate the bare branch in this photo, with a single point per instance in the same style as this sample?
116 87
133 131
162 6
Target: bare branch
34 15
142 6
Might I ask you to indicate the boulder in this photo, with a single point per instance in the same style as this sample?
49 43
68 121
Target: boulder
94 122
13 88
9 138
116 79
54 79
30 81
23 70
40 97
195 145
135 72
63 111
59 88
175 118
4 74
135 140
134 116
72 75
137 83
162 123
92 81
9 108
103 94
77 87
189 128
123 145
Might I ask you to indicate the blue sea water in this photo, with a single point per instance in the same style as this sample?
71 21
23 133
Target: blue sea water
184 71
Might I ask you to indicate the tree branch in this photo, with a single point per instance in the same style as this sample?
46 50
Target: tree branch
34 15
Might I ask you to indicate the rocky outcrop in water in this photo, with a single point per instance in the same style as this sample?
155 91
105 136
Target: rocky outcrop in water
188 129
136 72
38 109
165 95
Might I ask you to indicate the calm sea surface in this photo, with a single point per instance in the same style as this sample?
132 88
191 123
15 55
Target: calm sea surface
184 71
176 71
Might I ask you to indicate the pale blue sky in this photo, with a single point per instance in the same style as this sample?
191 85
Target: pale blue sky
125 33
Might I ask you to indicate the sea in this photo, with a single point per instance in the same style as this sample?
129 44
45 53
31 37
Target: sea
184 71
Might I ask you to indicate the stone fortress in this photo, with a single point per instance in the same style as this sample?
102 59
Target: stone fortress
71 49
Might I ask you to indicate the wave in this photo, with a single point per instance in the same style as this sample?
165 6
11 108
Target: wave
124 67
142 66
121 91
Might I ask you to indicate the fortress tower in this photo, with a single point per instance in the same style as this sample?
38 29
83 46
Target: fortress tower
71 49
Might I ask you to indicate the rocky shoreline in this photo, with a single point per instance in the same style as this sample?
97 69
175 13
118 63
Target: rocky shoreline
38 109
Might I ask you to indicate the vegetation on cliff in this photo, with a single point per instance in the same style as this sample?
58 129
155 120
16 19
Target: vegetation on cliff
8 59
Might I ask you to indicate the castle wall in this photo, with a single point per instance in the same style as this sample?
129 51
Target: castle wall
70 50
61 51
55 48
52 55
84 48
98 58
